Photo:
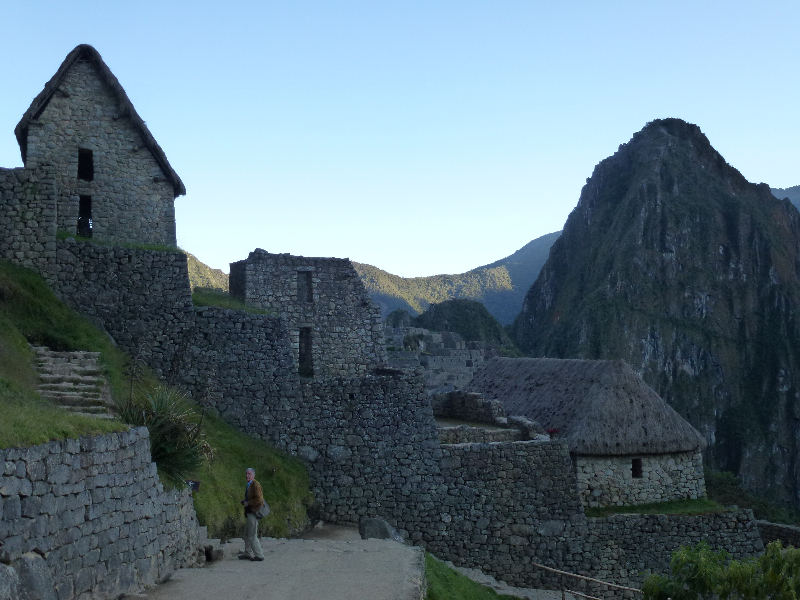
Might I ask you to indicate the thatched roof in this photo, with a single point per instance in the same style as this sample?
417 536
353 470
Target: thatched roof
600 407
86 52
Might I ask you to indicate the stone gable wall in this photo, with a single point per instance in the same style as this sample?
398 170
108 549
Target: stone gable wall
95 508
608 480
132 200
346 328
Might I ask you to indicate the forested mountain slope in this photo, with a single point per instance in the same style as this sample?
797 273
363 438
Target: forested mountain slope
500 286
675 263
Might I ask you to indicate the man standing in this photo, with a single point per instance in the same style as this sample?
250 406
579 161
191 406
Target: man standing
253 499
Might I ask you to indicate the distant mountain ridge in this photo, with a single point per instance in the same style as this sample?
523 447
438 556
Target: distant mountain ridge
792 193
201 275
500 286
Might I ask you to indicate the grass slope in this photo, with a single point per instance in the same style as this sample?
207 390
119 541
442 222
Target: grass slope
29 311
445 583
500 286
283 478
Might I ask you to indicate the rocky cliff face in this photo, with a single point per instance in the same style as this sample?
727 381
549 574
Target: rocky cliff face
675 263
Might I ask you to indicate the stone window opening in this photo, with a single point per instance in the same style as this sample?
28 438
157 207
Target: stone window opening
305 292
305 364
85 216
636 468
85 165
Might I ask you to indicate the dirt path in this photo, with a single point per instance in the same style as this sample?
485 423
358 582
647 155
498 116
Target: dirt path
305 570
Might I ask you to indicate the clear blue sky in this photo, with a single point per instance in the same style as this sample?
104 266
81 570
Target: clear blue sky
420 137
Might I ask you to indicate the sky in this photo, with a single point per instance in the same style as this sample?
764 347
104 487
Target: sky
420 137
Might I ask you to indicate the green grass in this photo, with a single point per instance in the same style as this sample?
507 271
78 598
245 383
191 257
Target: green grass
726 489
672 507
284 479
221 299
445 583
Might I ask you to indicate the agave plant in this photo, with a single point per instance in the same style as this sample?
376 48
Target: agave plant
177 444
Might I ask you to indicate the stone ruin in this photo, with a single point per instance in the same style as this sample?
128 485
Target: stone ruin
447 362
313 377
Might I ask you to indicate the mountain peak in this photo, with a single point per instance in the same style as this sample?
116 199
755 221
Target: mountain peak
675 263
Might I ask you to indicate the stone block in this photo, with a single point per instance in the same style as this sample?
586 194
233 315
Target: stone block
35 579
9 583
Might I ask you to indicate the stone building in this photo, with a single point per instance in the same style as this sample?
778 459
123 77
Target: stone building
113 180
334 326
628 446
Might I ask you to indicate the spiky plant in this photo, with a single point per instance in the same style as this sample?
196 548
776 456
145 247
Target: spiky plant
177 444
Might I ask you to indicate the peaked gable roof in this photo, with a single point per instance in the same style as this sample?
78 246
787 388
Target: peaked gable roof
600 407
126 109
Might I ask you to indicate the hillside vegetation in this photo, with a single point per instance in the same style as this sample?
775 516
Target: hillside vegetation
30 312
203 276
468 318
500 286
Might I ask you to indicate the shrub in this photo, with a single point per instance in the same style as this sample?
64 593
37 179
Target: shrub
699 573
177 444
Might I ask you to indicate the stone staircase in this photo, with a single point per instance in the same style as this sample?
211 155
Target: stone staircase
74 381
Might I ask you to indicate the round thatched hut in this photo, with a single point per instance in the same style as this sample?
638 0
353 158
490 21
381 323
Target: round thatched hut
627 444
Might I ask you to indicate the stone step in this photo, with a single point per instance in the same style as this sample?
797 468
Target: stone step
45 351
98 415
94 389
93 410
76 400
73 380
71 365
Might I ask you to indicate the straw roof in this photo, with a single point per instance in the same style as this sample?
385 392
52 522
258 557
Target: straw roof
600 407
86 52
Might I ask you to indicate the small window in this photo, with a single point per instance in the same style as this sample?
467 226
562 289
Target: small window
85 165
305 292
305 361
636 468
85 216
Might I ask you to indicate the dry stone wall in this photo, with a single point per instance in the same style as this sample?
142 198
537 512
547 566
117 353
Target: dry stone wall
28 218
132 201
141 297
96 510
507 504
242 364
788 535
610 480
323 296
623 547
464 434
468 406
